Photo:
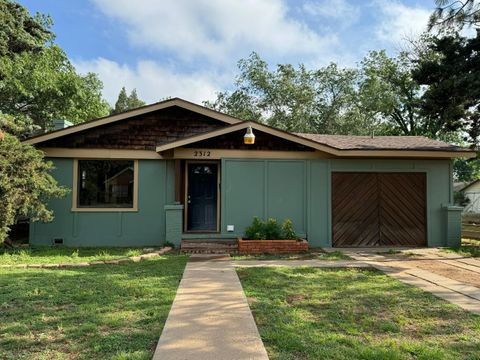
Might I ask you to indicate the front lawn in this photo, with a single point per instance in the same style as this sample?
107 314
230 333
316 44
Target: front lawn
62 255
311 313
95 312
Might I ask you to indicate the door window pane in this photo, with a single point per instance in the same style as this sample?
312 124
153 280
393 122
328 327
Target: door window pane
105 183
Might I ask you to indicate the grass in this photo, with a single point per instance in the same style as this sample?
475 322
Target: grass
307 313
469 247
313 255
61 255
96 312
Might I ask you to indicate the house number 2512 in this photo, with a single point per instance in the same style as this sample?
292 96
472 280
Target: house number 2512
200 153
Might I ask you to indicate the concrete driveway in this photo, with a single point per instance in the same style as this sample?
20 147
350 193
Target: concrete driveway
447 275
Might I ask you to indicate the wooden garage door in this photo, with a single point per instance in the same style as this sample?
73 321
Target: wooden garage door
378 209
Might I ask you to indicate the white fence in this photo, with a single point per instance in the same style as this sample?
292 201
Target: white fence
474 203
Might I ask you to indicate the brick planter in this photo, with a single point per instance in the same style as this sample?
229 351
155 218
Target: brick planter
271 246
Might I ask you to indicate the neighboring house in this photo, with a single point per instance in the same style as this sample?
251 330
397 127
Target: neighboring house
472 192
175 170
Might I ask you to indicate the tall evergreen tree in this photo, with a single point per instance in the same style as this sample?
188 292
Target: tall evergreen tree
127 102
121 104
451 78
19 31
455 14
133 101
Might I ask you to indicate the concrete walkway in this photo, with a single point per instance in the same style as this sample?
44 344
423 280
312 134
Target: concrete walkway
210 317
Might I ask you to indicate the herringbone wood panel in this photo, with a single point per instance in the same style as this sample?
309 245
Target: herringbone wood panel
378 209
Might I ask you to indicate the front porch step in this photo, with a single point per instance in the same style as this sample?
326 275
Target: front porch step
202 246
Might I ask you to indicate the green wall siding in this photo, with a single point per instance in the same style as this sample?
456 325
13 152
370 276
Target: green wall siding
295 189
286 192
319 204
301 190
243 193
144 227
263 188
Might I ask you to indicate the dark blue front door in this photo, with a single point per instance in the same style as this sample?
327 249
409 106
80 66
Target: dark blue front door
202 197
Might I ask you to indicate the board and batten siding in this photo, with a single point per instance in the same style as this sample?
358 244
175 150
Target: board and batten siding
296 189
145 227
301 190
266 189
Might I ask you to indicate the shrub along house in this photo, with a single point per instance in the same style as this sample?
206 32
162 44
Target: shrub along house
174 171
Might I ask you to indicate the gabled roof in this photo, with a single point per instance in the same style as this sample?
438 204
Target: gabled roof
346 146
243 125
129 114
335 145
467 186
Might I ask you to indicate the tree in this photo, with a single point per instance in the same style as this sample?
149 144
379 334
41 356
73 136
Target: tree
133 101
122 102
455 14
125 103
21 32
296 99
451 78
466 170
25 182
44 86
388 91
37 84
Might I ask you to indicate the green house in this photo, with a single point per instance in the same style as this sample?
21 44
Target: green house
175 170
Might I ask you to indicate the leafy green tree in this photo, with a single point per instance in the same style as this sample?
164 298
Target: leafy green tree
455 14
296 99
466 170
25 182
45 86
19 31
238 104
127 102
388 91
37 84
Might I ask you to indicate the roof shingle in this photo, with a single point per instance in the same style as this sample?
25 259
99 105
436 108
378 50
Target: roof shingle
349 142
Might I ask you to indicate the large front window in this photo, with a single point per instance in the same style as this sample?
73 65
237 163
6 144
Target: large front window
105 184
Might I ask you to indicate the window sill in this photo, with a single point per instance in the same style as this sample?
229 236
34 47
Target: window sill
104 210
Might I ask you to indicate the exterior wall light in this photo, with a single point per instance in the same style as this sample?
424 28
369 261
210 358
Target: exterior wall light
249 138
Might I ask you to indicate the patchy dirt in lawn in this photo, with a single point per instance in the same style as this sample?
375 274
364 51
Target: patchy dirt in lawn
293 298
440 268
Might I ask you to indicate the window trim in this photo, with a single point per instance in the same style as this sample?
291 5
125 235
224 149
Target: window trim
75 207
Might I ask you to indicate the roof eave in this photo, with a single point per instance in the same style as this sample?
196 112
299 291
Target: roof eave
335 152
132 113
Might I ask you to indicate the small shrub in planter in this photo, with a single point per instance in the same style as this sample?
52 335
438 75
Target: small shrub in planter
270 230
256 231
268 237
288 231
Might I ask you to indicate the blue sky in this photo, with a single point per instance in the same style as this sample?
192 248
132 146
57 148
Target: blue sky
190 48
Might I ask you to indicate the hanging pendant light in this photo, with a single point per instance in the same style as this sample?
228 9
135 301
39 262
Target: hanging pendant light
249 138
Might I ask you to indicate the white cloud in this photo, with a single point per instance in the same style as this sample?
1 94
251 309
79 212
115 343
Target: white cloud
152 81
216 30
399 21
340 10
